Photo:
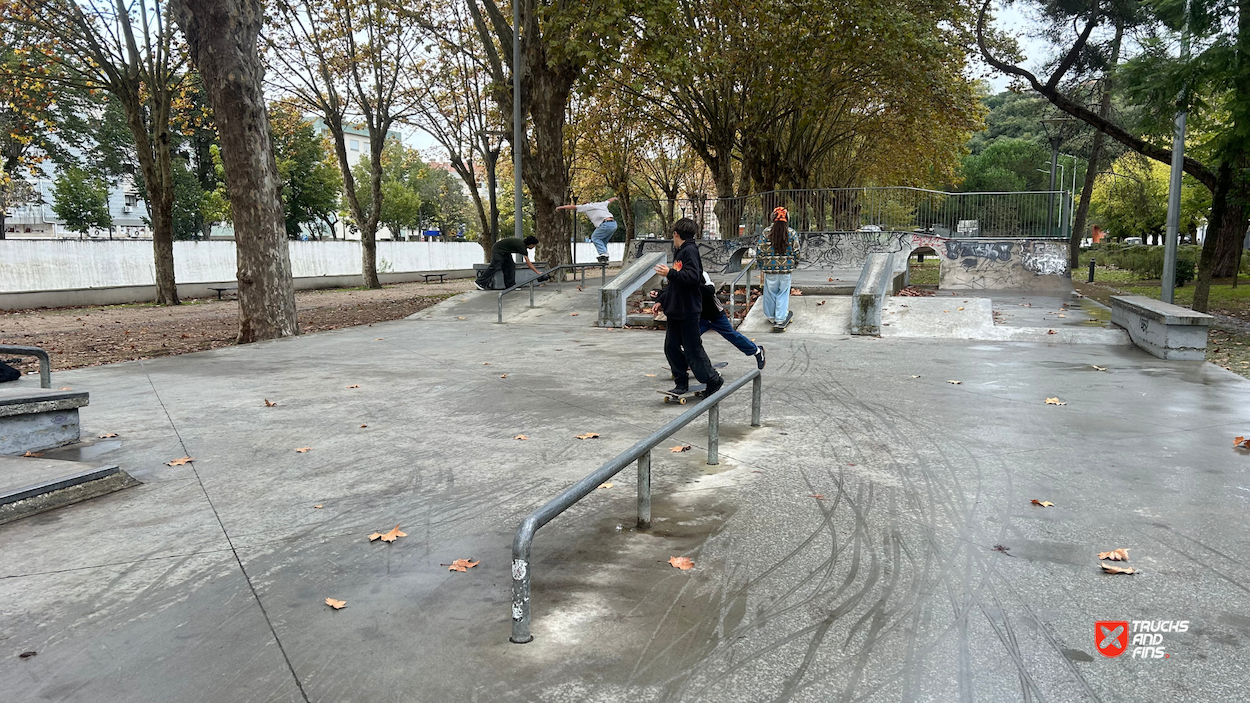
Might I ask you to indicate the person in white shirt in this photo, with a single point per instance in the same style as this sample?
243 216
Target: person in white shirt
602 219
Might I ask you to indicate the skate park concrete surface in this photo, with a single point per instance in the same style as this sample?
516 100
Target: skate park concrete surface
874 540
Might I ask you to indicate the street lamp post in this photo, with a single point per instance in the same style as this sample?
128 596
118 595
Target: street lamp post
1052 128
518 127
1168 284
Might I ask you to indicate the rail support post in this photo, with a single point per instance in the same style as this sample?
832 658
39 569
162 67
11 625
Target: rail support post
532 292
757 393
521 584
644 491
713 435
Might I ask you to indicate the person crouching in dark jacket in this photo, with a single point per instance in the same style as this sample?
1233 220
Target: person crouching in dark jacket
684 306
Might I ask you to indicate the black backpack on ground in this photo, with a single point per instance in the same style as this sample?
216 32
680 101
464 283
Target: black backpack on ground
8 373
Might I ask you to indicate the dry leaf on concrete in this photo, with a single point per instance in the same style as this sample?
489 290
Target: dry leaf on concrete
916 376
680 448
1118 569
588 435
683 563
1120 554
377 339
1050 331
1055 401
33 455
65 388
795 291
269 404
355 386
336 604
389 536
1062 315
1043 503
821 303
1099 368
957 383
817 496
318 506
302 450
459 318
606 484
572 314
461 565
520 436
959 308
108 435
1241 442
504 376
180 462
650 375
364 425
485 363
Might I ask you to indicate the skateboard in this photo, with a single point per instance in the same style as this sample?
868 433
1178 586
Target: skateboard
682 398
717 365
784 324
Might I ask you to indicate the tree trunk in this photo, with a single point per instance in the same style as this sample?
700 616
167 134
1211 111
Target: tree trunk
221 36
1095 154
152 151
545 172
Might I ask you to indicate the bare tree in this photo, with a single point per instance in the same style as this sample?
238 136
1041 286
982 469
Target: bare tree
222 36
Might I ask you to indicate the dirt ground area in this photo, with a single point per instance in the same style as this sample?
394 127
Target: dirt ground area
90 336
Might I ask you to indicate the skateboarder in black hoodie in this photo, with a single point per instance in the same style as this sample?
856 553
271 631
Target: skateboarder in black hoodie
684 305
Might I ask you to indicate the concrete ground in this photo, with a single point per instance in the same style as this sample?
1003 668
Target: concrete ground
874 540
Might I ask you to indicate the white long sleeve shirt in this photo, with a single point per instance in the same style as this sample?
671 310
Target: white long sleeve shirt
597 212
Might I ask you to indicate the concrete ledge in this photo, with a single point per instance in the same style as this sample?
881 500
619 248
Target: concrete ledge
613 306
1165 330
32 420
32 486
876 282
24 401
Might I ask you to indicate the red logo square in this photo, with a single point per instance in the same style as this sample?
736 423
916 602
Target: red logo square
1111 637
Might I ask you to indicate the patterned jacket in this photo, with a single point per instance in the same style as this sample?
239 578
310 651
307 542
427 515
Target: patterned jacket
775 262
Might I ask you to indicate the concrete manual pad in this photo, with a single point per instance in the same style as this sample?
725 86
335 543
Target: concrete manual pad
813 314
940 317
23 477
874 540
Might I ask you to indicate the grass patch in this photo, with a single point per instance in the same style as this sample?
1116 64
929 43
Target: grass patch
925 274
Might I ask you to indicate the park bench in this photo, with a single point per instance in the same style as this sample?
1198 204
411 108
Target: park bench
428 276
1165 330
222 290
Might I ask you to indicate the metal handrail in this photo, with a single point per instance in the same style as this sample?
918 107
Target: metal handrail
45 363
734 286
603 280
640 452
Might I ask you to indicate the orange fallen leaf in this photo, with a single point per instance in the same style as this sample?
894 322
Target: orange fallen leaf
485 363
108 435
946 311
573 314
378 339
504 376
364 425
817 496
35 455
520 436
680 448
1118 569
269 404
459 318
1061 315
959 308
1055 401
180 462
683 563
588 435
795 291
607 484
1120 554
318 506
389 536
355 386
1241 442
831 278
821 303
1050 331
1043 503
650 375
336 604
461 565
303 450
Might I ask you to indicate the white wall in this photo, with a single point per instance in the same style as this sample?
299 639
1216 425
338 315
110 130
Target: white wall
584 252
64 264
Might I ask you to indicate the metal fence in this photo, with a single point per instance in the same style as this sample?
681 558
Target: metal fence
1032 214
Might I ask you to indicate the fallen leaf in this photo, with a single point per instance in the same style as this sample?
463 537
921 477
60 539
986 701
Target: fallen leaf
1241 442
1050 331
606 484
65 388
269 404
1062 315
957 383
915 376
355 386
680 448
34 455
959 308
572 314
485 363
520 436
1043 503
831 278
389 536
504 376
1118 569
683 563
318 506
461 565
364 425
946 311
1099 368
336 604
26 655
180 462
108 435
588 435
817 496
1120 554
795 291
303 450
1055 401
378 339
821 303
650 375
459 318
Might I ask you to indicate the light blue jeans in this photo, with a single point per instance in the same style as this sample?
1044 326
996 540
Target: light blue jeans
602 234
776 296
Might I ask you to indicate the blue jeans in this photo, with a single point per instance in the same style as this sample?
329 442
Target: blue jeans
731 335
601 235
776 296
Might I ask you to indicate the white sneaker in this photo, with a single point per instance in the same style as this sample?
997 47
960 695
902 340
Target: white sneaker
480 286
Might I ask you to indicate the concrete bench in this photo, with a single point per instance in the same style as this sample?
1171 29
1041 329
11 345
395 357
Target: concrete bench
876 281
1165 330
32 420
613 305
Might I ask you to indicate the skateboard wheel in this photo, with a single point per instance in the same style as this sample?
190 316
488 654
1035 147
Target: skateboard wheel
666 400
681 400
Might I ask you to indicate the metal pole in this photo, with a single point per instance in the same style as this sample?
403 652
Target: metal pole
1174 186
644 491
500 318
1054 163
713 435
757 393
518 127
521 582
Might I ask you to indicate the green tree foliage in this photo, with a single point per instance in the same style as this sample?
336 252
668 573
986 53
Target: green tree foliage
1012 115
1130 200
81 200
311 182
1006 164
415 195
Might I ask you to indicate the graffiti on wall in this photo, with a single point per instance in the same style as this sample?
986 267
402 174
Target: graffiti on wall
1000 265
817 250
994 251
1044 258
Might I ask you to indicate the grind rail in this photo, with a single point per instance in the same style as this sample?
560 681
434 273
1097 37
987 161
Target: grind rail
45 363
641 452
603 280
